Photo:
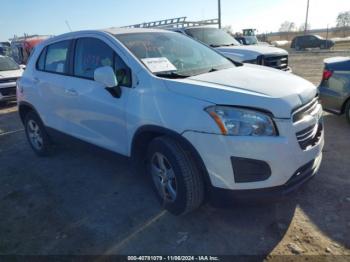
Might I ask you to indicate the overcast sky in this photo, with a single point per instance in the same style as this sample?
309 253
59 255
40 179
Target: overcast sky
48 17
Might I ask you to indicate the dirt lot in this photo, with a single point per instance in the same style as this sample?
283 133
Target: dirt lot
83 200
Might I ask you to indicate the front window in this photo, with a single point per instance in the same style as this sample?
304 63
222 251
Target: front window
8 64
92 53
56 57
251 40
212 36
185 56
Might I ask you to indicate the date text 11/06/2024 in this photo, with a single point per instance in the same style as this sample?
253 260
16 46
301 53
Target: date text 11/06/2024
173 258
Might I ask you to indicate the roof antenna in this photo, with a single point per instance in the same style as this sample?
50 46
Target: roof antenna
67 23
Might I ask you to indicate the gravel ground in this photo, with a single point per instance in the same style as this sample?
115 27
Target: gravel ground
83 200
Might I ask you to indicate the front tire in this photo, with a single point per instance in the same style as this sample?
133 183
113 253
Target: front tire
177 180
36 134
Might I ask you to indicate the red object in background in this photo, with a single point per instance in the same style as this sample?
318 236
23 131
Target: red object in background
23 46
327 74
29 44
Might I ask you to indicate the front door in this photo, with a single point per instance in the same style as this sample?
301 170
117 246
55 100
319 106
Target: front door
99 117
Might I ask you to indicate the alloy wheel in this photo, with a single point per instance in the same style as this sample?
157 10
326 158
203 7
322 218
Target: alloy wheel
164 177
34 135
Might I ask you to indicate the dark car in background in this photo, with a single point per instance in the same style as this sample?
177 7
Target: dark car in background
335 86
311 41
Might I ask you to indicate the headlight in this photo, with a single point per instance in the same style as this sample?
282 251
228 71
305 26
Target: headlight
242 122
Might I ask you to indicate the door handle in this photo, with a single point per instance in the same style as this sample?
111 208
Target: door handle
71 92
36 80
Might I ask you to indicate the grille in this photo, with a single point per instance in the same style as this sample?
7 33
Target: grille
310 136
307 109
276 61
8 80
8 91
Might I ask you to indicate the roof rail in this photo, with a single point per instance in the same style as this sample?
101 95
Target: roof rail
179 22
26 37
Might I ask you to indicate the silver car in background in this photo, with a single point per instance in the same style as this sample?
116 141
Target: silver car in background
335 86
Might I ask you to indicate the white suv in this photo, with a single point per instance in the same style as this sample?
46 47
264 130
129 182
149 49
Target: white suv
200 124
10 72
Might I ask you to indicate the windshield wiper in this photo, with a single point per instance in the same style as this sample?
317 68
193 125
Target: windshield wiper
213 45
172 75
213 70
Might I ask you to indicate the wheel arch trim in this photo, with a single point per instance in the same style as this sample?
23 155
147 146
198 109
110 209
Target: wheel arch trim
161 131
25 105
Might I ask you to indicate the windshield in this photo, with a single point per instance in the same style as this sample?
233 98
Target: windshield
212 36
7 64
251 40
176 54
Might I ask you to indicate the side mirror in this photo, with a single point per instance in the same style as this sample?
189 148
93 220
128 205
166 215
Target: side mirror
23 67
106 76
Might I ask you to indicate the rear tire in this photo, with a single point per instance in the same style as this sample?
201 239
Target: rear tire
177 180
36 134
347 111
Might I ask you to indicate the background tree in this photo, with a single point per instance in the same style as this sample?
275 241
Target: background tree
302 27
228 29
287 27
343 21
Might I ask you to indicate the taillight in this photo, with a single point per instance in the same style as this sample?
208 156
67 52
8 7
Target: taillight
327 74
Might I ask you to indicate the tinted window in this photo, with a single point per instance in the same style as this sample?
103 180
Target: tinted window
212 36
41 61
122 72
56 58
90 54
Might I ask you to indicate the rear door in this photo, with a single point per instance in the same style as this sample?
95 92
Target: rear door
314 41
52 82
99 117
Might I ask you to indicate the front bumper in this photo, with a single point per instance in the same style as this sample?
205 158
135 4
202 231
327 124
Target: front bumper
283 154
299 178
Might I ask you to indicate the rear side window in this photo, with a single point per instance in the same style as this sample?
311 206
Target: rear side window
91 53
40 65
54 58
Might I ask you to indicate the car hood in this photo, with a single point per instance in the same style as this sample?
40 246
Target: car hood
249 86
11 73
250 52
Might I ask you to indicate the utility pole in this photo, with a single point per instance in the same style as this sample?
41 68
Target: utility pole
219 9
307 16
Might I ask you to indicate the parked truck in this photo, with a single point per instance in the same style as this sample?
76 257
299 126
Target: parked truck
204 32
